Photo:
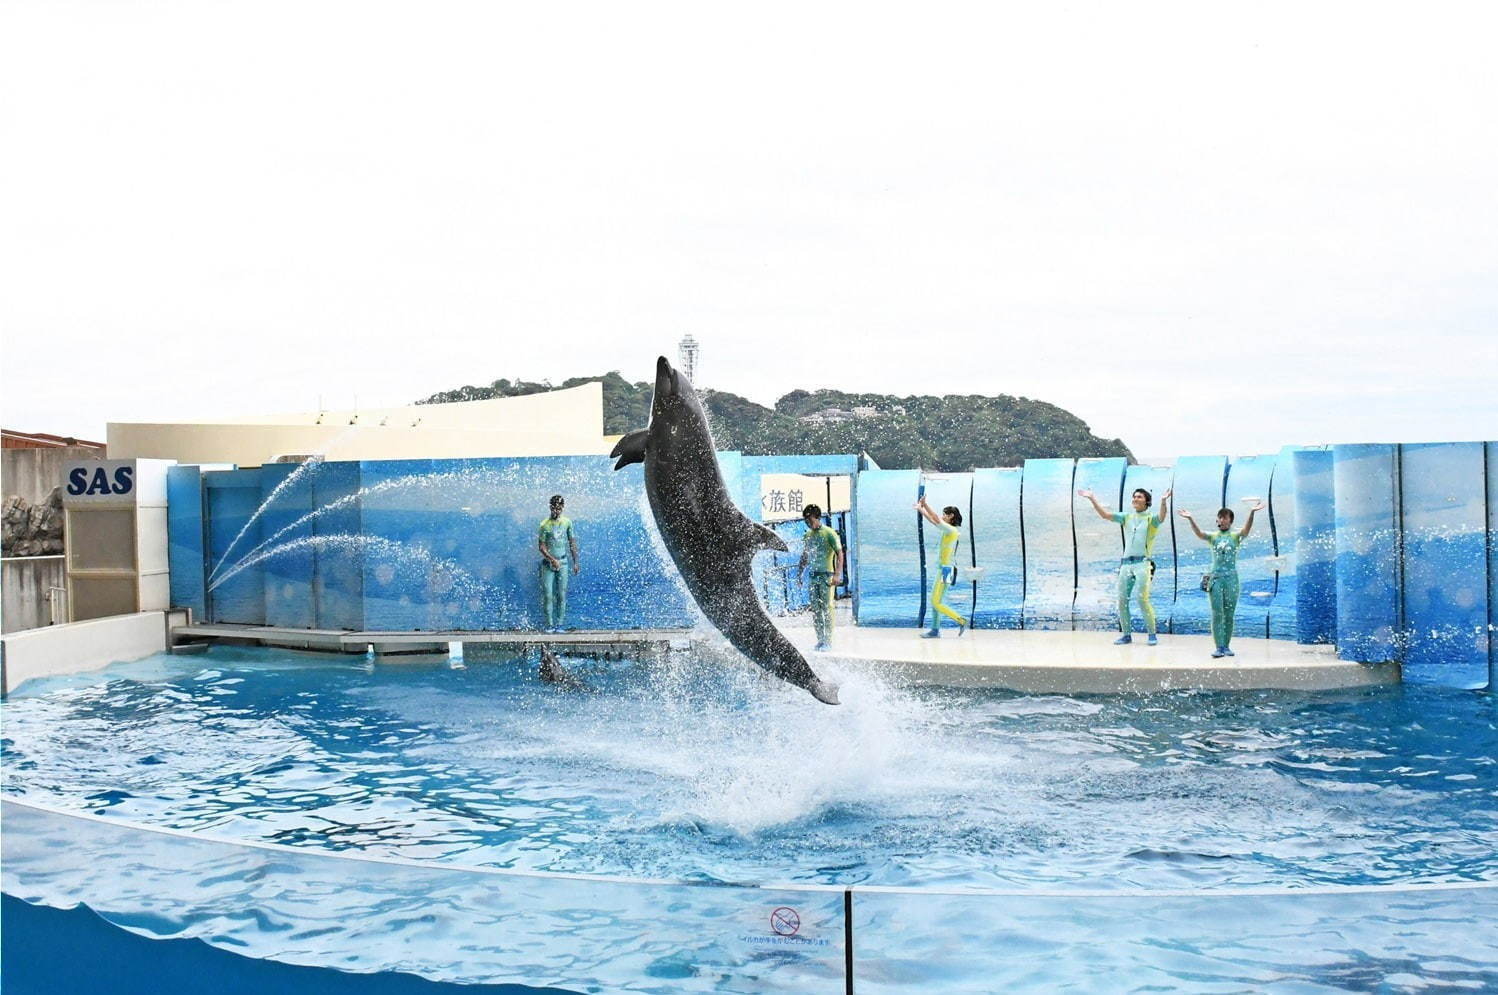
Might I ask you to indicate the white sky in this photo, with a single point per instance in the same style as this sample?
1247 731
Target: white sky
1201 227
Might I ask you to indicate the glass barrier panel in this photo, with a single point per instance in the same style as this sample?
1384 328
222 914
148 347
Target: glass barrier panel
469 925
1350 939
447 924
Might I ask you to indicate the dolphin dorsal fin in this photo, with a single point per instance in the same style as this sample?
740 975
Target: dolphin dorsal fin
631 448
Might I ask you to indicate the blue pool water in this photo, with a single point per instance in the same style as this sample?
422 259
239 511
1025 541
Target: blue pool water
693 771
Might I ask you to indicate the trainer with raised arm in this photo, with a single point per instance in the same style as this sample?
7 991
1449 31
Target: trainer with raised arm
1135 571
950 526
1222 582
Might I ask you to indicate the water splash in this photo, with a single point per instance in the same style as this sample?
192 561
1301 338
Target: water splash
441 576
296 475
348 500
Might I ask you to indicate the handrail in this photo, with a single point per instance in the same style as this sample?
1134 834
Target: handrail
52 604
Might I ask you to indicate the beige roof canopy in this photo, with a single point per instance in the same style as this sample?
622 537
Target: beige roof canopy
556 423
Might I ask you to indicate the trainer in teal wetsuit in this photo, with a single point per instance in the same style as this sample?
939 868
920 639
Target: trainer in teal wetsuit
1223 587
1140 528
558 547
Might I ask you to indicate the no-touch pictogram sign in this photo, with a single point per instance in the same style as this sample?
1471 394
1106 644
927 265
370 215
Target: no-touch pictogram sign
785 921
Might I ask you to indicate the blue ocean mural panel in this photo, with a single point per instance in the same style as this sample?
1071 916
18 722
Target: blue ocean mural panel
997 539
1492 459
1282 610
1315 546
743 490
290 557
411 516
184 530
1443 512
1199 486
1249 478
1050 556
888 554
236 586
1099 543
337 527
1367 541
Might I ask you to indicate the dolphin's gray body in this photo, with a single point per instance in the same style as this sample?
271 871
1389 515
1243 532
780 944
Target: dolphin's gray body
708 537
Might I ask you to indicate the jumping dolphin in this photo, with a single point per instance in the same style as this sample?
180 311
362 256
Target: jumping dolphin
710 540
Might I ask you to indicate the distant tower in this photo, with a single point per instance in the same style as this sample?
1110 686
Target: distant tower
687 352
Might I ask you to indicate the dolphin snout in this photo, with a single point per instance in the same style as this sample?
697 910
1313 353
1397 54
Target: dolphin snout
665 378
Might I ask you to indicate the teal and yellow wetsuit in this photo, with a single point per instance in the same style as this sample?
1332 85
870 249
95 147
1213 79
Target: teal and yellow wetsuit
1223 590
556 537
946 575
1140 529
821 548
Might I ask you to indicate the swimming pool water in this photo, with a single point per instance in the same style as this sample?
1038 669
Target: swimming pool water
690 770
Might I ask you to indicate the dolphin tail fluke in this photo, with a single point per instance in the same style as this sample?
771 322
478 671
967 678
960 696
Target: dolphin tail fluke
824 691
631 449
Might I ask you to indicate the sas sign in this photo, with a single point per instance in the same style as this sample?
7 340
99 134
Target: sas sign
99 480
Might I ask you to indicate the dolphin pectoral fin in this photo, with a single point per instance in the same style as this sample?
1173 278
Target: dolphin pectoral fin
631 448
763 538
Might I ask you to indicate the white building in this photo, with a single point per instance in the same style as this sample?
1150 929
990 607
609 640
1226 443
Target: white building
828 416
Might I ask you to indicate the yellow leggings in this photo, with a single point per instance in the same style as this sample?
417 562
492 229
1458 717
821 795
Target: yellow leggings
938 605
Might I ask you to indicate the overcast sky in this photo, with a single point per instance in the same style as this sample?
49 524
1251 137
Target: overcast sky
1200 227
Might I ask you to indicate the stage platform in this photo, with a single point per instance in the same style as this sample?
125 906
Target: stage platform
1087 662
1039 662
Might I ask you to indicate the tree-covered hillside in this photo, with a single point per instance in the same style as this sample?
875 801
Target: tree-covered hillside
954 432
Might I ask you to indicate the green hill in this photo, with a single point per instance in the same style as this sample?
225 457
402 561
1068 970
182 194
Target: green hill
951 433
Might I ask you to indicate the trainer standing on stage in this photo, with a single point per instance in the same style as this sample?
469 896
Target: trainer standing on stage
558 545
823 550
1222 583
1140 527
